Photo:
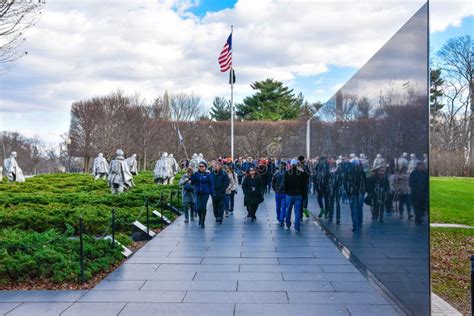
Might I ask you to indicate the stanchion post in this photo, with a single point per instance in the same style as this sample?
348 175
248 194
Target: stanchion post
161 204
113 227
81 248
147 217
472 285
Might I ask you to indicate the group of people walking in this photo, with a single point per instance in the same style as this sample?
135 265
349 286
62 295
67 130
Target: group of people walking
386 186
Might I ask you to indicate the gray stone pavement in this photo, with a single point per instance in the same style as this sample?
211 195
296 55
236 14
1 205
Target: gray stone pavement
234 268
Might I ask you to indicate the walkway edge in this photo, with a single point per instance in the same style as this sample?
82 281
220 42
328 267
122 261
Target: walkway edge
362 268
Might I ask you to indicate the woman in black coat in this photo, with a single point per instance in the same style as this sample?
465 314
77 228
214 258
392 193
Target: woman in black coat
253 187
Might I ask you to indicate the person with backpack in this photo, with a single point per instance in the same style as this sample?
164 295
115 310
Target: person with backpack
278 185
220 182
378 189
322 186
231 190
355 188
203 188
295 188
253 187
188 196
335 183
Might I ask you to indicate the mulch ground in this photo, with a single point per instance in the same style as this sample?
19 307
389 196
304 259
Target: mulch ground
451 250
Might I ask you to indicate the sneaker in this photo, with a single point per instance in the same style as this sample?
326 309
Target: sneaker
186 221
282 223
202 225
297 230
338 222
231 213
306 212
253 219
321 213
226 213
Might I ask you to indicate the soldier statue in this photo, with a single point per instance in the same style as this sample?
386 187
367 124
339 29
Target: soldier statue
133 164
120 178
12 170
162 172
101 167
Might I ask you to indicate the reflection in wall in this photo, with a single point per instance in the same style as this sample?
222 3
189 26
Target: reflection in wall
374 133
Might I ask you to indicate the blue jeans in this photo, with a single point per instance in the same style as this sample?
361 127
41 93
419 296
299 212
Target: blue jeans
356 203
295 200
280 200
229 201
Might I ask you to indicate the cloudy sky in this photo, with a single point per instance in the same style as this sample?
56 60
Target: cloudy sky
81 49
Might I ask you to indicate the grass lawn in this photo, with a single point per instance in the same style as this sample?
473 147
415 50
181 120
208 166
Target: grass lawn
452 200
451 249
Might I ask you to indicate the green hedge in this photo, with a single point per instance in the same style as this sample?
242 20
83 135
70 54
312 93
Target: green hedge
39 217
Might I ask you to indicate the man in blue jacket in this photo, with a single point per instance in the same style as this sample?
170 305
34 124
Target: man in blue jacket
203 187
220 181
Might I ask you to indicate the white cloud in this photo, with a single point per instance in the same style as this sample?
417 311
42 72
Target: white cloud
81 49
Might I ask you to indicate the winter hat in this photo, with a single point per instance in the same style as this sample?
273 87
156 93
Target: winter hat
294 162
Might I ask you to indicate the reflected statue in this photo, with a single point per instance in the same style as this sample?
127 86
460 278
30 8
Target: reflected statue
402 161
412 163
120 178
12 170
378 162
162 172
365 163
133 164
425 160
101 167
194 162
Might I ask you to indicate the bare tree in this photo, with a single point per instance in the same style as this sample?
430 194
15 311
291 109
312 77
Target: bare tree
456 59
16 16
183 107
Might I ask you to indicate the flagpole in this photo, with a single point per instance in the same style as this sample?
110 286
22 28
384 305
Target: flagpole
232 100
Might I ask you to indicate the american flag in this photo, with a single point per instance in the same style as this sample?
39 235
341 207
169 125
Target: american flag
225 58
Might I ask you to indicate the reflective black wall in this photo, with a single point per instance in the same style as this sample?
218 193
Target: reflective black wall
382 113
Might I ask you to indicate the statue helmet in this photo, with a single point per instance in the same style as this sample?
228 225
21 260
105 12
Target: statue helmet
379 156
119 152
100 155
171 155
352 156
194 155
405 155
13 154
165 154
362 156
134 155
201 155
412 156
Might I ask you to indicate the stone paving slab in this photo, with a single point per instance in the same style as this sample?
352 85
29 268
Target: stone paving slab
39 309
234 268
89 309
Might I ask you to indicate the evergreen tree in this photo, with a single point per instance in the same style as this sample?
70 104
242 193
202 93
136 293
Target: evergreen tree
273 101
220 110
436 82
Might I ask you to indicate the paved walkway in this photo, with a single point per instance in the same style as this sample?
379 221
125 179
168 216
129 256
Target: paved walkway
236 268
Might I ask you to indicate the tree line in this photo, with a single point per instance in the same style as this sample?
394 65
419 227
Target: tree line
452 109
